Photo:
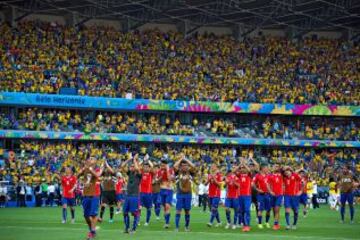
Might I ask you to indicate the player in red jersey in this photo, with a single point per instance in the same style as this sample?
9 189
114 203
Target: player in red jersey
215 180
276 189
68 184
146 189
231 201
119 190
303 198
260 182
245 180
156 192
292 191
255 168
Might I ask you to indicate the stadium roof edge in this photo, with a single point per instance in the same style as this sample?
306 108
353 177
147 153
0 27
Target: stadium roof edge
297 17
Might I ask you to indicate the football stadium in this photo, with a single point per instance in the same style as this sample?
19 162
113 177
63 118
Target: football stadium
179 119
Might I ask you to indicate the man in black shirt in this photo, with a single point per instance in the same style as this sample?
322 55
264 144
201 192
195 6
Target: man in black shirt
38 195
21 193
108 195
131 204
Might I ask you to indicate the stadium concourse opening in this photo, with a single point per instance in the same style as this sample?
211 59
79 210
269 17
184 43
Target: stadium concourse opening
179 118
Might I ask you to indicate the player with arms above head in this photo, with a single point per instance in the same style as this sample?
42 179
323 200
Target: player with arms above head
252 167
245 180
276 190
91 194
346 183
146 189
156 200
184 170
68 184
292 191
215 181
119 190
108 194
260 183
255 168
232 195
166 178
132 202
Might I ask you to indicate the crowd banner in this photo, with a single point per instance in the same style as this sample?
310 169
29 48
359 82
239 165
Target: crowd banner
123 137
71 101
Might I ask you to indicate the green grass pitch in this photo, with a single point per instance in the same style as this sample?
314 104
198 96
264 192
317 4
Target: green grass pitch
44 223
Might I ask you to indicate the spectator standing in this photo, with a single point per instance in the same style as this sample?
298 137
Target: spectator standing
315 194
21 194
29 193
203 195
38 195
3 195
51 194
44 191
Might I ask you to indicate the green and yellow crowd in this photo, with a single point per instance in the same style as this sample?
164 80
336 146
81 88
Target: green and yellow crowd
40 57
34 162
275 127
100 61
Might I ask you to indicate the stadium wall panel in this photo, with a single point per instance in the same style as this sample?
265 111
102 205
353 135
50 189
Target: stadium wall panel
119 137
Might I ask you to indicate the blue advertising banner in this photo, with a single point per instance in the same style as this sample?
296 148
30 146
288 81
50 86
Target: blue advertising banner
70 101
119 137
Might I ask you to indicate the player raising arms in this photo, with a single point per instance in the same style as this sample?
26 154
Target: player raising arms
292 191
166 177
146 189
346 184
91 194
131 204
244 175
260 182
231 200
184 170
68 184
215 180
119 190
255 168
276 189
108 194
156 200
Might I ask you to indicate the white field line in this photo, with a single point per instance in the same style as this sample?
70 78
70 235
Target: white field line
255 235
116 222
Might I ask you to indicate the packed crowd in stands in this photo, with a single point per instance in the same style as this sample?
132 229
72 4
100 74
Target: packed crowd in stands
42 161
44 57
182 124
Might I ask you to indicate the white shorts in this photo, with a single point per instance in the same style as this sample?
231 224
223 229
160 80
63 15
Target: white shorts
310 195
333 199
